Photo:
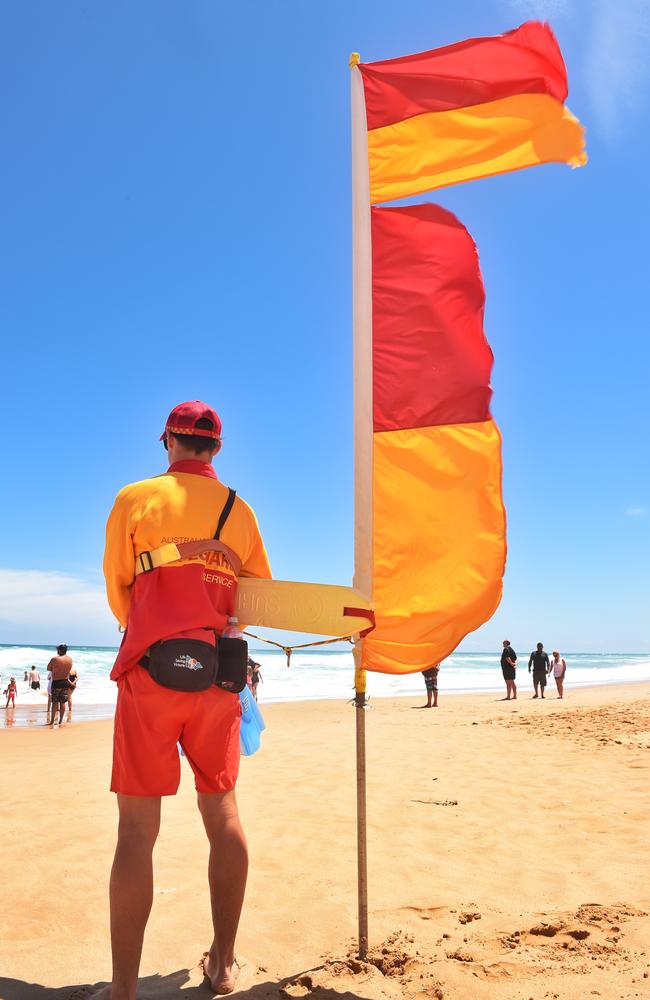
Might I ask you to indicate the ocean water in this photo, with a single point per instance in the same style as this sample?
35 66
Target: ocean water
321 674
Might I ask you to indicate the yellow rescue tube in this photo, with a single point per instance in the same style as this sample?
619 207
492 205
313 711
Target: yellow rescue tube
320 608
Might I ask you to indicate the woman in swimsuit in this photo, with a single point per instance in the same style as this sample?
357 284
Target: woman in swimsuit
559 670
10 692
256 677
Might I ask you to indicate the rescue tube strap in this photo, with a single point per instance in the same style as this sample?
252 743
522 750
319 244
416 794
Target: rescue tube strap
147 561
169 553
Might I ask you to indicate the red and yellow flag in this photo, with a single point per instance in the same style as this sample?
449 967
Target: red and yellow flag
439 523
481 107
430 542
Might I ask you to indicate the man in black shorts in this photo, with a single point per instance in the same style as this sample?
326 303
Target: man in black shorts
509 669
60 667
541 667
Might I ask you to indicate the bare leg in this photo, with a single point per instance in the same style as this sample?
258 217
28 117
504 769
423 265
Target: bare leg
429 697
131 895
227 871
560 686
536 683
513 685
435 699
131 889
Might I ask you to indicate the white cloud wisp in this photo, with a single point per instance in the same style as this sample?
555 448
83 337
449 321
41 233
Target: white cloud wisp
38 602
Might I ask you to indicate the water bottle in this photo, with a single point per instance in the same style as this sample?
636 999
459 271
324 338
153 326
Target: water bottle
252 724
232 629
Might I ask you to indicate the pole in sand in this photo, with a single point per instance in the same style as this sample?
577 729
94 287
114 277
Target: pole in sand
362 852
363 430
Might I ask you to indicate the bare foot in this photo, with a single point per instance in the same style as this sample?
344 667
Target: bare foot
222 980
91 993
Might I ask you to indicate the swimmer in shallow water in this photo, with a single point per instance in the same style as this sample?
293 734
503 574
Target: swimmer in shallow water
11 690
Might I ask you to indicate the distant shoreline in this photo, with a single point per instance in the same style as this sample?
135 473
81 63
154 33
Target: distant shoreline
32 716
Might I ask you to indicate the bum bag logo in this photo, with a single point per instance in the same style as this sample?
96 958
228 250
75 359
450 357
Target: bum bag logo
186 662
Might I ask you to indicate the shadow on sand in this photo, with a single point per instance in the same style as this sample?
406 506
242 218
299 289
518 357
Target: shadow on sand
174 987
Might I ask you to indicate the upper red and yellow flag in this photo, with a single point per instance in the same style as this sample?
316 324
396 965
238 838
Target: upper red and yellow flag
480 107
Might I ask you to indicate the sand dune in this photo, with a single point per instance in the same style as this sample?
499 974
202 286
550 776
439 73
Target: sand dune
507 849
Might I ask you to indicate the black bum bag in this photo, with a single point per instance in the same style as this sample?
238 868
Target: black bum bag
192 665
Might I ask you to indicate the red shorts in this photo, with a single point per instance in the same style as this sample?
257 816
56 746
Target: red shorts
149 722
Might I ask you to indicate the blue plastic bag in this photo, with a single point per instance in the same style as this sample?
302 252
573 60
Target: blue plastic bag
252 724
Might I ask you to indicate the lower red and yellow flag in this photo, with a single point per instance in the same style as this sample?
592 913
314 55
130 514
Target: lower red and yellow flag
438 517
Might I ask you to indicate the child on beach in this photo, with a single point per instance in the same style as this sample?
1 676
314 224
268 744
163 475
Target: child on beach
559 670
10 692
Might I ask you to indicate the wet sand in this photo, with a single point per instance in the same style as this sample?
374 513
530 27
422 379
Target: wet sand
507 852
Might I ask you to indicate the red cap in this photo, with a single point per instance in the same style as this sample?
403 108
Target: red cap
183 418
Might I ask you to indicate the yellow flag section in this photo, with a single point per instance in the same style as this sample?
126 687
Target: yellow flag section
439 546
447 147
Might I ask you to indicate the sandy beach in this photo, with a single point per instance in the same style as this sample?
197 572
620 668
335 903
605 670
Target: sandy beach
507 850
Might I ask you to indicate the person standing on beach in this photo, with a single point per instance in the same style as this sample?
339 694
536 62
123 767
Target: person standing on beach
256 677
171 519
431 684
34 679
49 693
73 678
60 667
509 669
539 663
559 670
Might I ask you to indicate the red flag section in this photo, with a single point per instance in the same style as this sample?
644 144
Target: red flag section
524 61
431 361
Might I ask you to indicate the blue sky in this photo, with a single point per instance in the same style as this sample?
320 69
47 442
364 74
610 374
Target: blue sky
175 183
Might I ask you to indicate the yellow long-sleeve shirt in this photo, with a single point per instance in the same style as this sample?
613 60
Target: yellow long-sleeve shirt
182 505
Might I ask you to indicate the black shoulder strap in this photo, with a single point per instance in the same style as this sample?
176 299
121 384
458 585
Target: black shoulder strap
227 507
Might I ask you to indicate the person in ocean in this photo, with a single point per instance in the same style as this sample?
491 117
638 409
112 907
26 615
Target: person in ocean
11 690
34 679
559 670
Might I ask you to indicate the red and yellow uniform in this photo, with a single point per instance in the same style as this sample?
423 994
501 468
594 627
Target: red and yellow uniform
182 597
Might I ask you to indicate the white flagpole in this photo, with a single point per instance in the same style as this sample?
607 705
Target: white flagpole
363 428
